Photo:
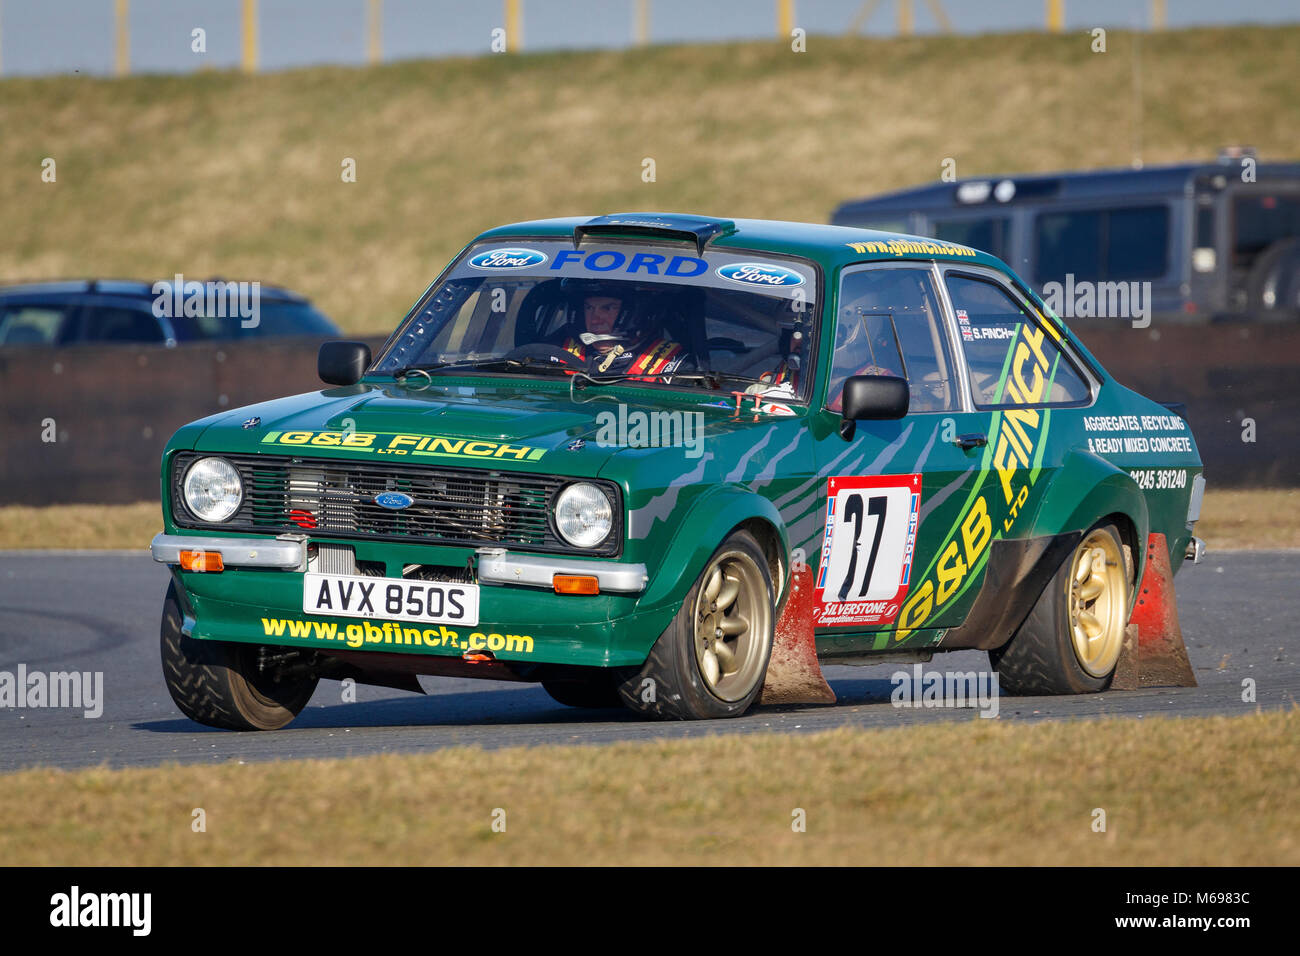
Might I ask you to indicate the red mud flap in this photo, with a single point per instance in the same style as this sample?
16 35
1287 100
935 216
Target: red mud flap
1154 654
793 674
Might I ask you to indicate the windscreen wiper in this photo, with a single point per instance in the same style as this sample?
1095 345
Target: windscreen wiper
486 365
708 378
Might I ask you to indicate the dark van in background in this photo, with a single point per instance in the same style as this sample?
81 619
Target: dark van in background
1217 241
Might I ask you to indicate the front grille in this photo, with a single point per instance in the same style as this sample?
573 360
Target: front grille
476 507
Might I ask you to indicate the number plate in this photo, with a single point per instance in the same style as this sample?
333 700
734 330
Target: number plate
390 599
866 560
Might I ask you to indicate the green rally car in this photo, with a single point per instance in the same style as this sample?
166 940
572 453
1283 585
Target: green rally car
627 456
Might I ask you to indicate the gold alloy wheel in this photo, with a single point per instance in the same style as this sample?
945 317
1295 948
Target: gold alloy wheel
733 617
1098 603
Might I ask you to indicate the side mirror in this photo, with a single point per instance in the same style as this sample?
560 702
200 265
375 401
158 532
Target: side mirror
342 363
872 398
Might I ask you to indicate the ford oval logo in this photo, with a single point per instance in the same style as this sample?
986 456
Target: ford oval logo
757 273
508 259
393 500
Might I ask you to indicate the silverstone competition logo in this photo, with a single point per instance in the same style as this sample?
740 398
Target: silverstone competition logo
508 259
755 273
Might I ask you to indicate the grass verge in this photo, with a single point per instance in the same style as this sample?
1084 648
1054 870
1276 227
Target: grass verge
1230 521
106 527
1190 792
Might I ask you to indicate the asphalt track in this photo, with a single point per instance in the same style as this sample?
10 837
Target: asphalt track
63 611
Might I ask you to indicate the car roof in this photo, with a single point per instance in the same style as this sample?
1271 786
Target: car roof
124 287
832 246
1172 179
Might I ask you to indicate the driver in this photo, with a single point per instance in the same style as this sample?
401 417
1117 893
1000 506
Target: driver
617 338
858 352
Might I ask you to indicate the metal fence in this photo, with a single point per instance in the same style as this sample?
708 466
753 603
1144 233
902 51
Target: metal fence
112 36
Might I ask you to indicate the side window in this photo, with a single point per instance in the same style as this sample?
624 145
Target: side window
31 324
987 234
1137 242
1259 222
1110 244
114 324
1012 359
1067 242
889 323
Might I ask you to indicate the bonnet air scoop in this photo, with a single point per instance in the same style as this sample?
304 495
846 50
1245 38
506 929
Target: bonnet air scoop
700 230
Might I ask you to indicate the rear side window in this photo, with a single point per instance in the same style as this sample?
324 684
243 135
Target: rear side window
31 324
1102 244
987 234
287 318
1260 221
889 324
1013 360
114 324
275 317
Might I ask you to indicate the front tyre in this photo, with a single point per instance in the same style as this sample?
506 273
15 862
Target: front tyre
1071 641
222 684
712 659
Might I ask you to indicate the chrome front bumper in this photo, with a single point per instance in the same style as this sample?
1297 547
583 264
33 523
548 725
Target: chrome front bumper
496 566
288 553
1195 550
499 566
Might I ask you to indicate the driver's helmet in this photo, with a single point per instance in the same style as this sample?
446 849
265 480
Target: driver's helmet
630 327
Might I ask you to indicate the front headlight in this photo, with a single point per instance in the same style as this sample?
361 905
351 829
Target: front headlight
583 515
213 491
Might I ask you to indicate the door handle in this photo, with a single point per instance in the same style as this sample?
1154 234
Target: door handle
971 441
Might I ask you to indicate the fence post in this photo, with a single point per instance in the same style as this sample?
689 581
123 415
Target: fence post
641 27
375 44
905 18
1055 15
122 29
249 31
514 26
784 18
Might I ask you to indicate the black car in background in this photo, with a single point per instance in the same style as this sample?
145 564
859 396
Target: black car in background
120 311
1216 241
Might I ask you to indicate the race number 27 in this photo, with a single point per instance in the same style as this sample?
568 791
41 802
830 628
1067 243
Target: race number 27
866 557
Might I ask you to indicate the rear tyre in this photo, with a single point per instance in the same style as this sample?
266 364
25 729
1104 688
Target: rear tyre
595 693
1071 641
221 685
712 659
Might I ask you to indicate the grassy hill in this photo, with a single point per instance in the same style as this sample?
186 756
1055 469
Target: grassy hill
222 174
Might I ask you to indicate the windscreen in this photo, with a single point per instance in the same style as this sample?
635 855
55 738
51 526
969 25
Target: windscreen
644 311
